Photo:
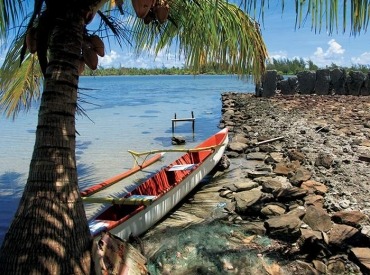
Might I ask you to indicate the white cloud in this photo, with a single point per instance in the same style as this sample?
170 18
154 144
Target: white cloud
363 59
335 48
109 60
145 60
278 55
169 59
334 54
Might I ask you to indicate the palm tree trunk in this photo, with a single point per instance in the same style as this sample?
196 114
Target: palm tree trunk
49 233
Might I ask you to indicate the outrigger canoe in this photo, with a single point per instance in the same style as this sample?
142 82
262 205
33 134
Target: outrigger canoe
150 201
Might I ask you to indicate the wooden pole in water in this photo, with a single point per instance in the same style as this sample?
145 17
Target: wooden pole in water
193 126
175 119
173 125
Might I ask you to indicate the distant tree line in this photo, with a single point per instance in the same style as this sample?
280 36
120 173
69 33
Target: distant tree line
294 66
210 68
282 66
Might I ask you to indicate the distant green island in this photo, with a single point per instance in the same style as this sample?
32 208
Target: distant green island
282 66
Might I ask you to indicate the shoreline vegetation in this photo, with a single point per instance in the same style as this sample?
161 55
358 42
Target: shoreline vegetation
282 66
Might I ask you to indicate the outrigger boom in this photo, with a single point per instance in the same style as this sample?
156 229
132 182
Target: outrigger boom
183 150
138 167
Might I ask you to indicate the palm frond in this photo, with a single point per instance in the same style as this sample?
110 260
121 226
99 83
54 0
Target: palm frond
110 23
323 14
10 12
20 85
212 31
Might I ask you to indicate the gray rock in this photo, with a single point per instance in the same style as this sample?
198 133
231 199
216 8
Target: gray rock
276 157
256 156
306 268
338 80
366 231
312 242
258 173
245 185
341 236
300 175
317 218
314 187
177 140
320 266
254 228
269 83
298 212
240 137
352 218
241 185
271 185
344 203
296 155
322 83
285 169
292 193
237 147
366 89
246 198
289 86
324 159
315 200
355 81
284 227
306 82
272 210
336 266
362 255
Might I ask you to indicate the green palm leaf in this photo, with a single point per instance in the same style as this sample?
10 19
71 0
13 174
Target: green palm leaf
320 11
20 85
206 32
10 12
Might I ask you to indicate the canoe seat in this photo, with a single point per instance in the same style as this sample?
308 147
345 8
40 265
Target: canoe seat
139 200
182 167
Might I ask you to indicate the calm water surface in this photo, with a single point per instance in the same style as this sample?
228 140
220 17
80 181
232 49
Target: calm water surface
122 113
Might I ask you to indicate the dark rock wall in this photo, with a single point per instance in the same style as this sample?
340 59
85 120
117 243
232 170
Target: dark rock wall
321 82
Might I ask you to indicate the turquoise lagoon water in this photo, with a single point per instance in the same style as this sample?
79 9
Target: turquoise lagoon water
123 113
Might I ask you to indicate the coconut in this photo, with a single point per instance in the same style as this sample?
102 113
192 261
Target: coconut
89 17
31 40
161 11
97 44
149 17
142 7
90 57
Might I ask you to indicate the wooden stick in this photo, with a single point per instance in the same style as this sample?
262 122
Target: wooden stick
270 140
321 128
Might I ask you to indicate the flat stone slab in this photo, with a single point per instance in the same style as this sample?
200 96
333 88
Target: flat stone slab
317 218
362 254
247 198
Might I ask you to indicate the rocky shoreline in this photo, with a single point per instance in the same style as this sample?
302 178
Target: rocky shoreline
304 162
295 199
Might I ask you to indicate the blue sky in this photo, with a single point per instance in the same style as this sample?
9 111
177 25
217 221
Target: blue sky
282 39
